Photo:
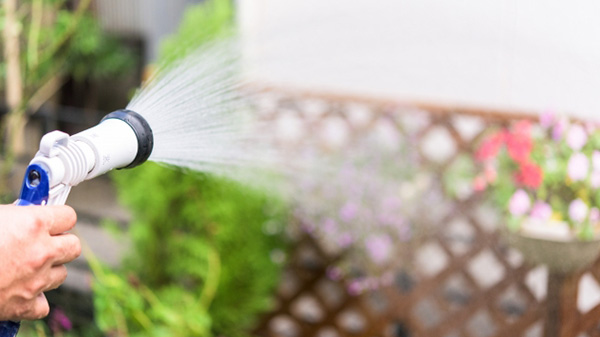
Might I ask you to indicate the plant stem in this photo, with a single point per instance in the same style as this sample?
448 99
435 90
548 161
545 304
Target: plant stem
34 32
13 122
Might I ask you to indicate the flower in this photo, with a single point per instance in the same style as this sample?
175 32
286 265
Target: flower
491 174
519 203
578 210
58 321
559 129
379 248
541 211
490 147
480 183
594 215
518 142
543 173
547 119
529 175
348 211
578 167
576 137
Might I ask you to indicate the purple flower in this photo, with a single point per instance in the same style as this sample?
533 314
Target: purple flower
379 248
59 321
329 226
578 166
345 240
559 129
391 204
576 137
519 203
334 273
355 287
348 211
541 211
546 119
578 210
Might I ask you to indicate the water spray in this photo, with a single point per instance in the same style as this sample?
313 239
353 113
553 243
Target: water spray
123 139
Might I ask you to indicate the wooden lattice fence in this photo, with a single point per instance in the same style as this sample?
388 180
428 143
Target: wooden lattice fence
464 280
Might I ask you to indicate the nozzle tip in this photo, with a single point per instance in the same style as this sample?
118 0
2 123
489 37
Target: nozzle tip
142 130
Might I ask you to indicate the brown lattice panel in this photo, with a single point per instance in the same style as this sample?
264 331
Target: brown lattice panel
464 281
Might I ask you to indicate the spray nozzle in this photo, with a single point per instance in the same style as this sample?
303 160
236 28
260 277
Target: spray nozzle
123 139
142 130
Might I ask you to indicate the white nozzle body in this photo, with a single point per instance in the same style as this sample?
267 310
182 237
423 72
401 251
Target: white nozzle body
113 142
122 139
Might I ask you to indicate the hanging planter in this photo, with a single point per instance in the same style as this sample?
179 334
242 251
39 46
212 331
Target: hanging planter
553 244
545 178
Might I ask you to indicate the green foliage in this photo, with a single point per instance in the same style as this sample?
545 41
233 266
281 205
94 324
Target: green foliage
93 47
58 41
199 251
200 24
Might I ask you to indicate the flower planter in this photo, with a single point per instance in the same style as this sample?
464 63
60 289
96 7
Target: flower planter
554 246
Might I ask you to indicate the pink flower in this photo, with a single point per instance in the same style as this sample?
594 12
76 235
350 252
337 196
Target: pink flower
519 203
576 137
578 210
479 183
529 175
541 211
518 142
490 174
490 146
379 248
594 215
522 127
578 166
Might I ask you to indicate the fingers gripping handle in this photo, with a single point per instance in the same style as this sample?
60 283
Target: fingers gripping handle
35 191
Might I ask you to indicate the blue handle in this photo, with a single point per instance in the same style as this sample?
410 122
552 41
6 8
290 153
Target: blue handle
35 191
36 187
9 328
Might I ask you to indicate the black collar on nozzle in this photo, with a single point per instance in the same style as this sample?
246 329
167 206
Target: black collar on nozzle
142 131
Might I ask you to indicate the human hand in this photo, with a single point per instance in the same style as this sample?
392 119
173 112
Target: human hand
33 250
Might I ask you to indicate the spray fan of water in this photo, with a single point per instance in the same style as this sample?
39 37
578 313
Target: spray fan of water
199 114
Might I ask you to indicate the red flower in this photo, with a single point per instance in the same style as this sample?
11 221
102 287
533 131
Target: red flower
490 146
522 127
529 175
519 143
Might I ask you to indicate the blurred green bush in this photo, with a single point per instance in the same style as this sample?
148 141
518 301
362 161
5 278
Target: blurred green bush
202 245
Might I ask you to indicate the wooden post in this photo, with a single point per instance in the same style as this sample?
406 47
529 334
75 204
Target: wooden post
561 306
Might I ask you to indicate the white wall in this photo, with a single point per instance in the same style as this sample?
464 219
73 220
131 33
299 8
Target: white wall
507 54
